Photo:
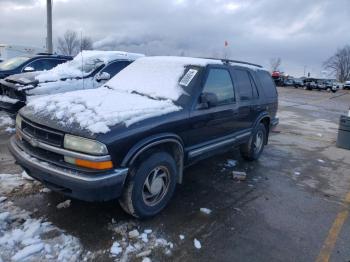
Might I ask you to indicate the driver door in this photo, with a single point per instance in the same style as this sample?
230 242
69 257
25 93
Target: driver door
208 125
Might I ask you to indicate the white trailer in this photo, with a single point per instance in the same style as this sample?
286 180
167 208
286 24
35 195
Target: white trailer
9 51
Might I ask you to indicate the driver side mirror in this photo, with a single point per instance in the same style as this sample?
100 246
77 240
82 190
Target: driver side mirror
103 76
208 100
28 69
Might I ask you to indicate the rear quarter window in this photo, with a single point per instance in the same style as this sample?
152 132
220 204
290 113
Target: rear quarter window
267 83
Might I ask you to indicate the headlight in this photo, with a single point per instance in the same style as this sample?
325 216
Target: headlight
18 121
84 145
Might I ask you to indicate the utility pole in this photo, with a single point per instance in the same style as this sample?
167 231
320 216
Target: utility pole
49 26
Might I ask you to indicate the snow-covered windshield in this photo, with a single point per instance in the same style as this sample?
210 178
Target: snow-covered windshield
13 63
83 64
157 77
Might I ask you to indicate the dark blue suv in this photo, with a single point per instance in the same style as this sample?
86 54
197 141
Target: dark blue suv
21 64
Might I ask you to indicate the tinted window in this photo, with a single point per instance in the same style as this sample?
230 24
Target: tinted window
43 64
54 62
13 63
255 88
219 82
267 83
115 68
243 81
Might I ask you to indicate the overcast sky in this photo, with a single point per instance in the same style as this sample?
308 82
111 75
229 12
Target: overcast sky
301 32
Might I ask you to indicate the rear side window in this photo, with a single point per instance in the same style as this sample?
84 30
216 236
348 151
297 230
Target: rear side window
267 83
219 83
244 83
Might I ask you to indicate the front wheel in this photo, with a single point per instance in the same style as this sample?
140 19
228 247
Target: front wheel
150 185
255 146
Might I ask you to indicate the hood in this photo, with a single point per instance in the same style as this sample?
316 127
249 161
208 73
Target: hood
95 111
23 79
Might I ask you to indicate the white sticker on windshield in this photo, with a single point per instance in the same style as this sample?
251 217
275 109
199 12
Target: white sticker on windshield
186 80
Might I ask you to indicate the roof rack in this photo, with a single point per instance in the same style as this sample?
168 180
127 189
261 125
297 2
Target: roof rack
43 53
224 60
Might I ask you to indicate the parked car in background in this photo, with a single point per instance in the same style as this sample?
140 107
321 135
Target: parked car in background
131 138
310 83
320 84
331 85
10 51
89 69
278 78
23 64
298 82
288 82
346 85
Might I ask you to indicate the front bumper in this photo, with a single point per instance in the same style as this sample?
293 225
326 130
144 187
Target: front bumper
97 187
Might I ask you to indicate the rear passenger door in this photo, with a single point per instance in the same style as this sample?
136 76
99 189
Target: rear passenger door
213 123
248 97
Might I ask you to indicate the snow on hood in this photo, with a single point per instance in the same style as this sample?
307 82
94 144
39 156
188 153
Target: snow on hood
157 76
98 109
90 59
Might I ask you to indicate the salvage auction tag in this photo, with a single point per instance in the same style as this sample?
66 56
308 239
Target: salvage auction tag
186 79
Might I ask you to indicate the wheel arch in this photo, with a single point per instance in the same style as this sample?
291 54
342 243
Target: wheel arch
266 120
166 141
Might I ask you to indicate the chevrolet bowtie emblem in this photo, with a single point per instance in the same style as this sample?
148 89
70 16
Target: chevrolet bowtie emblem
34 142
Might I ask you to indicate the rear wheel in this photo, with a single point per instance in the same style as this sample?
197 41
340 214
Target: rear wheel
150 185
255 146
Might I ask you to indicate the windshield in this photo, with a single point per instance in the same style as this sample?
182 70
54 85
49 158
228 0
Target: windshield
158 77
85 66
80 66
13 63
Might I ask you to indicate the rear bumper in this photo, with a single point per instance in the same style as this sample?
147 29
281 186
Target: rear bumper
274 122
97 187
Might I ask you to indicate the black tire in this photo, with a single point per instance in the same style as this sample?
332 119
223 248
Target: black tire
333 90
248 150
133 198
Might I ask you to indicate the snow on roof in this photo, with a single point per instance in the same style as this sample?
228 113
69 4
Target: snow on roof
83 64
98 109
157 76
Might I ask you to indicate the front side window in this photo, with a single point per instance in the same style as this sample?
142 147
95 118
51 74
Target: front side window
13 63
41 64
219 82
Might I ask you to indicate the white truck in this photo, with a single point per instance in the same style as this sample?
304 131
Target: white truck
9 51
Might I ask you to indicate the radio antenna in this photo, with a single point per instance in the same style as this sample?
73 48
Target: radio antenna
82 58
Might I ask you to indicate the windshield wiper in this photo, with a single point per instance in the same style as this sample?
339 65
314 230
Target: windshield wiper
148 96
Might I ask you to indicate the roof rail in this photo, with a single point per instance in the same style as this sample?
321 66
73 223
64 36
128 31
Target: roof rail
43 53
224 60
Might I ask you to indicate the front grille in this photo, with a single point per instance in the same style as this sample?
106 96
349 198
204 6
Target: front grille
42 154
42 133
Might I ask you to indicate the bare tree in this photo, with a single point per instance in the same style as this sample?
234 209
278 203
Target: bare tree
69 44
275 63
339 64
86 43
